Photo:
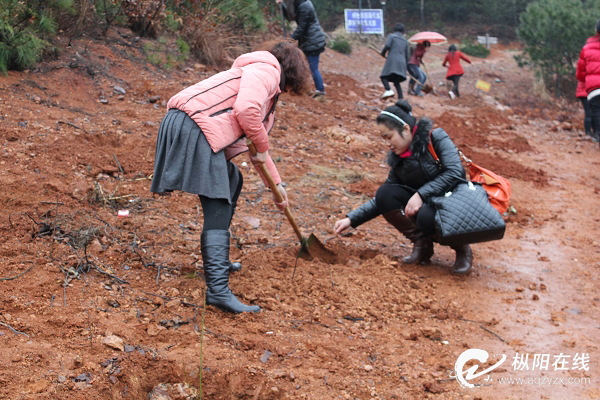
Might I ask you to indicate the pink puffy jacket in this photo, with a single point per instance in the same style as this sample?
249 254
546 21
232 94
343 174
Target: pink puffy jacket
235 103
588 67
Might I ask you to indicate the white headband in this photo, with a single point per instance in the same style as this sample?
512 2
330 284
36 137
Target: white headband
394 116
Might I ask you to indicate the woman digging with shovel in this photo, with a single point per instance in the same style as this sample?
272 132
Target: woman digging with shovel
205 128
414 178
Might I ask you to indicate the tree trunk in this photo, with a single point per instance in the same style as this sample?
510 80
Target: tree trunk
422 12
558 82
515 12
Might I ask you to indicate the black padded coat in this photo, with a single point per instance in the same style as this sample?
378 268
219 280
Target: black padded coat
309 34
420 172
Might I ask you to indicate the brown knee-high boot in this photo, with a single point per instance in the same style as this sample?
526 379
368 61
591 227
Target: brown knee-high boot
464 260
423 246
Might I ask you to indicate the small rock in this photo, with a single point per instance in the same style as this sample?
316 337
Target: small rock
85 377
121 97
119 90
368 368
173 303
37 99
129 348
432 387
113 303
112 379
77 361
533 286
114 342
61 378
153 99
542 287
265 357
497 80
575 310
535 297
253 222
154 330
174 292
199 67
519 289
104 101
158 301
22 124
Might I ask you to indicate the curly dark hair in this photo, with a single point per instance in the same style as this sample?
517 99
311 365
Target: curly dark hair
295 67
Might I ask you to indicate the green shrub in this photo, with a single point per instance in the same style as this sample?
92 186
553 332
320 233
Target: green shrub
23 27
341 45
164 54
474 49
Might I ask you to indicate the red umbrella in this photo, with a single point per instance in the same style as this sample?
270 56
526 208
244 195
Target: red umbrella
432 37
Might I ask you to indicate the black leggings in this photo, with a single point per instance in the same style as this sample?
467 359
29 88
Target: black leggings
455 79
395 79
588 122
390 197
218 212
594 105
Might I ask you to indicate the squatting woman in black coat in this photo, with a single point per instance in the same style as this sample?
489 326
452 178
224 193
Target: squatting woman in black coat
414 178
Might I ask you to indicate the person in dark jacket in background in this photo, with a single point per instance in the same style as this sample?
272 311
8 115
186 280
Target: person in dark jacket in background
414 179
416 59
588 71
591 127
398 53
310 37
455 70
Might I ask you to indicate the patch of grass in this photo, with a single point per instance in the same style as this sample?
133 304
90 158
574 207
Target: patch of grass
343 175
474 49
341 45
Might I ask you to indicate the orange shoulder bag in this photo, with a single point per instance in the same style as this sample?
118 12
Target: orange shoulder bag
497 187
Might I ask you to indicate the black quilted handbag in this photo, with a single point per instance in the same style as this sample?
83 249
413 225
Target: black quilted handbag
465 215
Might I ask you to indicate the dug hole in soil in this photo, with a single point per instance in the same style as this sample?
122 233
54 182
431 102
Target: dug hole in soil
94 306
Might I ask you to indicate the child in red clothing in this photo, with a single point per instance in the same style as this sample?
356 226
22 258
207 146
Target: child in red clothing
455 70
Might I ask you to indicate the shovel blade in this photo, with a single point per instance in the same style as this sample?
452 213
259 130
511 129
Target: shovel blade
312 247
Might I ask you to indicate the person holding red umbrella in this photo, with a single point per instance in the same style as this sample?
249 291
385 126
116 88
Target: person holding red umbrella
413 68
455 70
423 41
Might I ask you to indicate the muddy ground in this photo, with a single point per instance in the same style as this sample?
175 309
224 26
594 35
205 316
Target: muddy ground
74 152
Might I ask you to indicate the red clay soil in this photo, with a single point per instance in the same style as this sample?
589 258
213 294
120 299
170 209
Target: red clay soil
365 326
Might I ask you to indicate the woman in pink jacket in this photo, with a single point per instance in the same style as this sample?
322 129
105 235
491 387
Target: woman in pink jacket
206 126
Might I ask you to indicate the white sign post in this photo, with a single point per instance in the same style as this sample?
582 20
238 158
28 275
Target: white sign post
487 40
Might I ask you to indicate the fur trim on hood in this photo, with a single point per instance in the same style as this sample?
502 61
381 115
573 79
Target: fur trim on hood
419 144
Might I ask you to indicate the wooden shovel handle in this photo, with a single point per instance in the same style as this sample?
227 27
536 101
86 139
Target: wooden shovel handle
275 190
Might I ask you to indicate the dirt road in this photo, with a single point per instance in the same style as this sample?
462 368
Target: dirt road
75 150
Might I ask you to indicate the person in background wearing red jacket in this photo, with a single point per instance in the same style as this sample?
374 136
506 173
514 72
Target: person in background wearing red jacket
416 59
455 70
206 126
588 122
588 71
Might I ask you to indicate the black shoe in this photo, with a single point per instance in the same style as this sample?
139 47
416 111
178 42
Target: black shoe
215 257
423 246
464 260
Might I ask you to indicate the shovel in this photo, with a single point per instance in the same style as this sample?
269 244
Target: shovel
309 247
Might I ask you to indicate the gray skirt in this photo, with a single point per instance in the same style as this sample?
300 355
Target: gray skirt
185 161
